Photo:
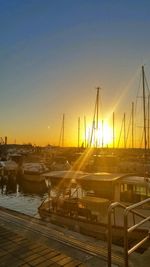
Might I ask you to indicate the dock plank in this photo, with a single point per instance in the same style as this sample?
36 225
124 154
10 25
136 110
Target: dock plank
17 250
37 261
38 245
65 261
58 258
73 263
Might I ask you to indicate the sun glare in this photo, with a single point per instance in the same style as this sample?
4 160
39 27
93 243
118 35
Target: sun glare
106 135
101 137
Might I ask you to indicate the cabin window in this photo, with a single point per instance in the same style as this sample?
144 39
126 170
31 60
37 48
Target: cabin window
143 191
126 194
123 188
133 193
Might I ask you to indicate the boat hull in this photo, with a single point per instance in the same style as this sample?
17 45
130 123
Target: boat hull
90 228
38 178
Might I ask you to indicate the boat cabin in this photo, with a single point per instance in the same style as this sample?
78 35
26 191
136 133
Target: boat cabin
117 187
127 188
85 197
133 189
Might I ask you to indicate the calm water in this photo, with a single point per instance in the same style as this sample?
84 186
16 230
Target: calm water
24 198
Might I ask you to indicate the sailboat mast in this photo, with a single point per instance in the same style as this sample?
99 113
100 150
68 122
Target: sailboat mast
102 133
113 130
85 143
96 116
63 129
144 108
97 105
61 139
124 124
148 120
78 132
132 124
120 135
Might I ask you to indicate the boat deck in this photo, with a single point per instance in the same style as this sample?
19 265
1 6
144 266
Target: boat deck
28 241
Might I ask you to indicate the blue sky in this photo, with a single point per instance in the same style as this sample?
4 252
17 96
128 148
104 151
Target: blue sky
53 54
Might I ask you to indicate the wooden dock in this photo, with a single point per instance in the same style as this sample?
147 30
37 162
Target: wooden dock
17 250
28 241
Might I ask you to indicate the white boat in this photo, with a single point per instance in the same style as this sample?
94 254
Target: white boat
33 171
9 166
8 170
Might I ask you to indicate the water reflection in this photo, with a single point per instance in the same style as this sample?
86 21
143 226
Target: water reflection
32 188
12 186
22 196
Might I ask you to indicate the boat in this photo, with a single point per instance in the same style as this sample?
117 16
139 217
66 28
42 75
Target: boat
103 163
8 171
3 178
33 171
123 188
59 164
81 201
1 169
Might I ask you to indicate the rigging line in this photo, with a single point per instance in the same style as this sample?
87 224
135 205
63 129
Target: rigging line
60 137
93 123
129 126
147 106
146 82
137 96
142 138
136 101
100 100
120 132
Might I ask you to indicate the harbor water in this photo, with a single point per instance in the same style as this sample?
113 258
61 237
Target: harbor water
23 197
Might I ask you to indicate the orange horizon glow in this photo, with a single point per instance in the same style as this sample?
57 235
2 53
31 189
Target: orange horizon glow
103 137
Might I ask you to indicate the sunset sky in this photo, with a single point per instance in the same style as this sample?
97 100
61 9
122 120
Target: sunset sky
53 55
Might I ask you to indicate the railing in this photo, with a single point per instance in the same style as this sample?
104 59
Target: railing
131 229
111 210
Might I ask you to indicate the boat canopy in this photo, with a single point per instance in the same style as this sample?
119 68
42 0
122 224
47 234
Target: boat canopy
65 177
80 175
135 180
103 184
102 176
65 174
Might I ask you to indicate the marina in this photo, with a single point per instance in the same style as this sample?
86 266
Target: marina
75 133
96 195
81 202
81 214
28 241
